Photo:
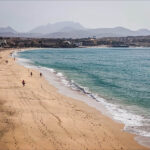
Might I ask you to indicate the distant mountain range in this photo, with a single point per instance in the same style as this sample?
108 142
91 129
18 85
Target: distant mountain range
58 27
72 30
7 30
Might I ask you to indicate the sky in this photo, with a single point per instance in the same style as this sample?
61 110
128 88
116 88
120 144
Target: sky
26 15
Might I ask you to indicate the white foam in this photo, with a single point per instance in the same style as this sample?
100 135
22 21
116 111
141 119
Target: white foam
59 74
14 54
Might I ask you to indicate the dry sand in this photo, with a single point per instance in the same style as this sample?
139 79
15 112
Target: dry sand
37 117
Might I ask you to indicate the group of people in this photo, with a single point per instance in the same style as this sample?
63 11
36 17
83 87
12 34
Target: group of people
23 81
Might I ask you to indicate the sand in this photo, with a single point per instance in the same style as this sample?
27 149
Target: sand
37 117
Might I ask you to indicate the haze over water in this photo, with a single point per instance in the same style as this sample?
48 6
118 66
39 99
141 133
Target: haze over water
120 75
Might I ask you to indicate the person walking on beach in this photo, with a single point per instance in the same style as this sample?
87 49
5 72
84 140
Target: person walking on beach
23 83
31 74
40 74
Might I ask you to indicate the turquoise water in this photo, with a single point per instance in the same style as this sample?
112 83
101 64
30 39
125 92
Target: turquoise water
120 75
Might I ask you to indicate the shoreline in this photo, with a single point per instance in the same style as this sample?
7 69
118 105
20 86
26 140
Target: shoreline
86 119
106 46
56 81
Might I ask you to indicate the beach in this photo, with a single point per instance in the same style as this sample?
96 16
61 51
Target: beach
38 117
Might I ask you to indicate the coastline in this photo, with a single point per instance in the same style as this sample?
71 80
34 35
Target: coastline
41 111
106 46
67 87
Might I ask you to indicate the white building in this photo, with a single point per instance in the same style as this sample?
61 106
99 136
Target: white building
78 44
3 43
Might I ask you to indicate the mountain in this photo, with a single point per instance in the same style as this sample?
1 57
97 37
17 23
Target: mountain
57 27
143 31
10 32
99 33
72 30
7 30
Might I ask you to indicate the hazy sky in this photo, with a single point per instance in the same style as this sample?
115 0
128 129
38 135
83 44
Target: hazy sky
23 15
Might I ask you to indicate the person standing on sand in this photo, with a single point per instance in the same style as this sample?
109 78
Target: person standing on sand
40 74
23 83
31 74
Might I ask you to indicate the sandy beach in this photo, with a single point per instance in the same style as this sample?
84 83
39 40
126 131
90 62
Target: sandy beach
37 117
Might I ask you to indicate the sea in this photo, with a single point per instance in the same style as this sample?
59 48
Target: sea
116 79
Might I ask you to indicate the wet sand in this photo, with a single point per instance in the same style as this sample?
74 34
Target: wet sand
38 117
